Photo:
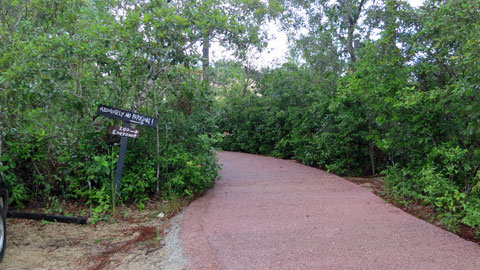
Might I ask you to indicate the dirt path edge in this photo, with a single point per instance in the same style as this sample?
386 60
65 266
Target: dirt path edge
172 252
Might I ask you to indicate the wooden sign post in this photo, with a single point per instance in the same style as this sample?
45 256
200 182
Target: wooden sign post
125 132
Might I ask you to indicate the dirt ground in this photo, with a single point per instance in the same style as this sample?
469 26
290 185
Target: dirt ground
131 240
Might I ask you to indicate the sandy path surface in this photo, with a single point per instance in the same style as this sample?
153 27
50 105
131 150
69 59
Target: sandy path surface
266 213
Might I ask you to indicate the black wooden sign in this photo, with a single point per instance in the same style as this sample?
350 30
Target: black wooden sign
127 116
124 131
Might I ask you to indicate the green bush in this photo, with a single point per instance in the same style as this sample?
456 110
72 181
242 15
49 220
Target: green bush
435 189
56 155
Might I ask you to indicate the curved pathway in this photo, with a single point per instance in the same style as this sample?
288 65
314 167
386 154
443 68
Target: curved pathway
266 213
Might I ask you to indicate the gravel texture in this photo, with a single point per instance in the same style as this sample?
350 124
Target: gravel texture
266 213
172 252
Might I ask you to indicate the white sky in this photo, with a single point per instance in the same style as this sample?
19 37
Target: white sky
277 49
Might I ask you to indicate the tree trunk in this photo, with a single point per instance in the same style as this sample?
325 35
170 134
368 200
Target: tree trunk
148 87
158 141
372 156
350 47
352 18
206 57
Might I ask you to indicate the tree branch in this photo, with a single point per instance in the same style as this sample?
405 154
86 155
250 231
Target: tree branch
149 85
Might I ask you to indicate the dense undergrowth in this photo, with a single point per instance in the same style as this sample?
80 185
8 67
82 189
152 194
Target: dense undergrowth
60 59
59 156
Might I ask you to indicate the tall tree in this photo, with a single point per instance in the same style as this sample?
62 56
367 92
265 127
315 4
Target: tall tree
333 30
235 24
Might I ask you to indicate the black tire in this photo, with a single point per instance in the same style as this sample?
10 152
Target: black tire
3 233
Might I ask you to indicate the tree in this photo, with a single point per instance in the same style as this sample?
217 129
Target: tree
235 24
60 59
334 32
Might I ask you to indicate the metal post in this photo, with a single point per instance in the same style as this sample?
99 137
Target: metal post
121 161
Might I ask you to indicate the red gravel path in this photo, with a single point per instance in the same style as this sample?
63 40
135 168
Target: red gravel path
266 213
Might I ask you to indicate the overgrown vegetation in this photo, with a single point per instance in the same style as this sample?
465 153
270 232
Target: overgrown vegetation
371 87
383 88
60 59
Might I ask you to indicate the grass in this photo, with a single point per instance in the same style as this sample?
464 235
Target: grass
171 207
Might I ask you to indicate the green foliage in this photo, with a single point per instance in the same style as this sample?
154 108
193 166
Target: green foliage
472 215
404 103
290 115
61 59
435 189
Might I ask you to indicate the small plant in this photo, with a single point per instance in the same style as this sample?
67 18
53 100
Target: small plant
159 236
102 240
44 222
171 207
53 206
